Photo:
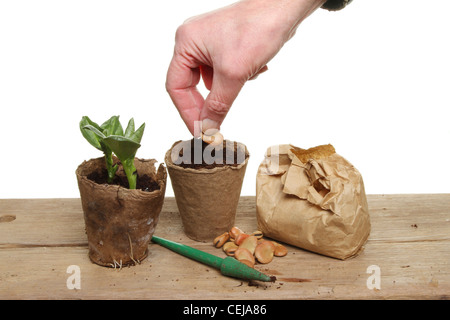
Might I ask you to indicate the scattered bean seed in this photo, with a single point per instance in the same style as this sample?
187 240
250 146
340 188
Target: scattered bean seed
234 232
249 243
248 263
244 254
280 250
220 240
229 248
261 240
257 234
264 251
249 248
240 238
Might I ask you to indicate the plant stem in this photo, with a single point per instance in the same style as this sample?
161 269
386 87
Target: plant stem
109 166
130 171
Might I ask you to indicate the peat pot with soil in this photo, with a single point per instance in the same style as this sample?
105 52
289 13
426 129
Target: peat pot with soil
207 182
121 195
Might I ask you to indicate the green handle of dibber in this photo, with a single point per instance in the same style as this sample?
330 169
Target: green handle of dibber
198 255
228 266
236 269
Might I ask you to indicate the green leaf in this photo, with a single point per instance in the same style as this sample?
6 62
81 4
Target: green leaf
97 132
112 126
130 128
137 135
90 136
123 148
110 138
93 133
130 133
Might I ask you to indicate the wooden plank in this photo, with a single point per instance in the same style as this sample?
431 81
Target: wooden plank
409 242
51 222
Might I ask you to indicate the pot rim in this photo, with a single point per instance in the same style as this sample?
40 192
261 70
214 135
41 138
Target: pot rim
110 187
171 165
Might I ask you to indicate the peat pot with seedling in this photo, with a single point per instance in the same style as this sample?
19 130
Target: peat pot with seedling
207 181
121 195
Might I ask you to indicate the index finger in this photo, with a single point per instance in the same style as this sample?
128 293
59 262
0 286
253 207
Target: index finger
181 84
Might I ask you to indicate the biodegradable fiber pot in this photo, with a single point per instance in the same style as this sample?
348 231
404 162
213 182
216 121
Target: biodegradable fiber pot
120 222
207 196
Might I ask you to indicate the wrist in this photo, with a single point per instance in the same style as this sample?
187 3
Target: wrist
286 14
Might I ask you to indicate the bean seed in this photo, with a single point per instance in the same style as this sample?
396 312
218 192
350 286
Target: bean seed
280 250
257 234
249 243
244 254
213 140
240 238
261 240
229 248
209 126
220 240
248 263
264 251
234 232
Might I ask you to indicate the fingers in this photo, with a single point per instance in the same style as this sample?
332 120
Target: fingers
262 70
181 85
224 84
207 75
182 79
224 90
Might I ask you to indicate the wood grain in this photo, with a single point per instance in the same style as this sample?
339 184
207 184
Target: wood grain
409 241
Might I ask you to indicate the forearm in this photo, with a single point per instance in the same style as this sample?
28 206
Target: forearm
288 14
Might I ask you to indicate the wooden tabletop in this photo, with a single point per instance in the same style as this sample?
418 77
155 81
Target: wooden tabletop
43 246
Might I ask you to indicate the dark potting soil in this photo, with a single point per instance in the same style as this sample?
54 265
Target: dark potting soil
143 182
228 158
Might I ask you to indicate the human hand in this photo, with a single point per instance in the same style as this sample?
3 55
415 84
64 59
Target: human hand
227 47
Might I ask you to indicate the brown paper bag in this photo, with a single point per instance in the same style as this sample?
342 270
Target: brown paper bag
313 199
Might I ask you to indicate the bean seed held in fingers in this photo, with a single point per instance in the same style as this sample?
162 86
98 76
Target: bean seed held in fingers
264 251
220 240
213 138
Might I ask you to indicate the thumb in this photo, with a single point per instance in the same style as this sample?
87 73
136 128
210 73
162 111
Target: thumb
224 91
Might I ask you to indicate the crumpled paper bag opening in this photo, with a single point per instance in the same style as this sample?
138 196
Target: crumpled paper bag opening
313 199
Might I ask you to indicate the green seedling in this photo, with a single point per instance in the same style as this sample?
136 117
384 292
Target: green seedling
110 138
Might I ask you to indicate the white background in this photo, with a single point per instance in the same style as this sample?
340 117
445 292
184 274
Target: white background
372 79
